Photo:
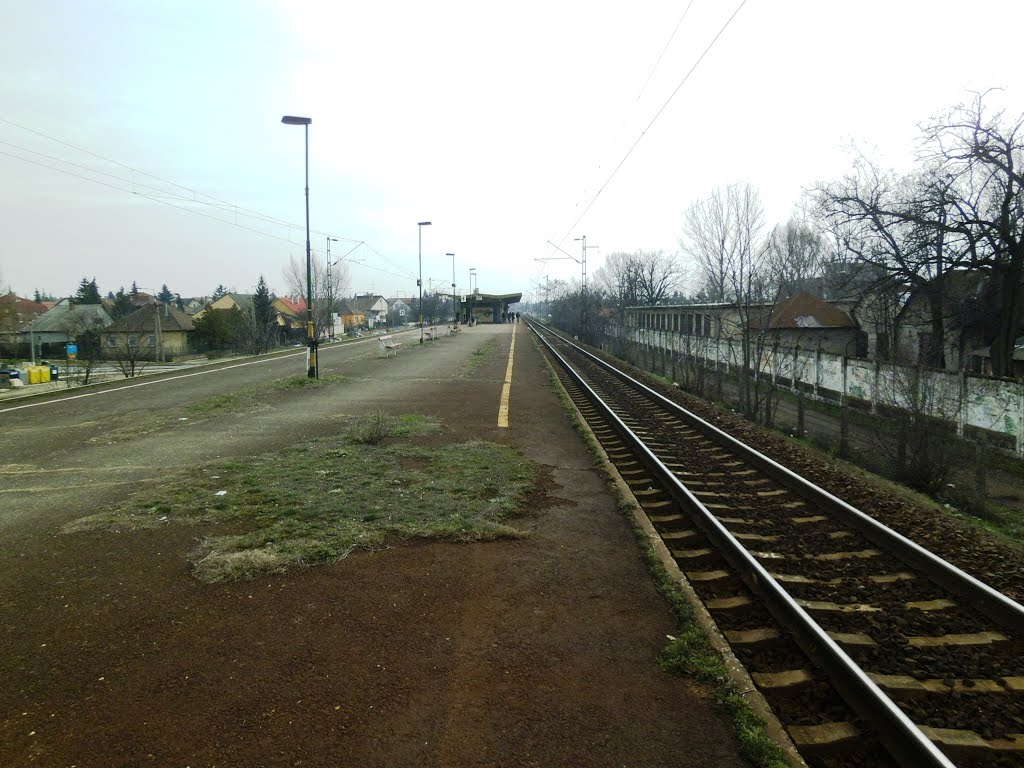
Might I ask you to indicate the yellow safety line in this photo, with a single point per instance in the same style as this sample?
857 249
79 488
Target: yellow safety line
505 390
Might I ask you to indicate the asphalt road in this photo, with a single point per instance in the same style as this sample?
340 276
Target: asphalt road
68 454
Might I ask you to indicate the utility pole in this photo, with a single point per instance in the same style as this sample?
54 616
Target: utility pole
584 318
330 290
455 313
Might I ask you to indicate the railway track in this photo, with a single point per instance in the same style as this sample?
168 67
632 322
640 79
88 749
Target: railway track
869 649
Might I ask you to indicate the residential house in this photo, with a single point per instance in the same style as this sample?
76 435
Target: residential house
193 305
373 306
970 309
350 318
66 322
399 311
240 301
154 332
16 312
291 318
804 321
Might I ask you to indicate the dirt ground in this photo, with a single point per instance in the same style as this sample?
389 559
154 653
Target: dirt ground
534 652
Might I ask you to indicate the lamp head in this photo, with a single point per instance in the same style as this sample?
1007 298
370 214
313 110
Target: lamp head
292 120
423 223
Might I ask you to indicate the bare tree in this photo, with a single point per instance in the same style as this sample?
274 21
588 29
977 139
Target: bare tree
902 227
325 294
658 275
707 238
641 278
619 279
129 353
724 236
796 253
963 207
981 159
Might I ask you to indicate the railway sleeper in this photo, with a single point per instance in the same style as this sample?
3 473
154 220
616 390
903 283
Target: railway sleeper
876 578
824 738
907 687
790 682
968 745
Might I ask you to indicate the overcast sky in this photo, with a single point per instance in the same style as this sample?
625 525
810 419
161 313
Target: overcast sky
497 122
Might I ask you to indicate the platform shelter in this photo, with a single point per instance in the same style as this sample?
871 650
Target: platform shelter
486 307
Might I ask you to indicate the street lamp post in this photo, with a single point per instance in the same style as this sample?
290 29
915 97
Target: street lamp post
330 289
454 313
313 371
419 282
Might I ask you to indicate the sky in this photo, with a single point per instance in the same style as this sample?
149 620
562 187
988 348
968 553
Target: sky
141 140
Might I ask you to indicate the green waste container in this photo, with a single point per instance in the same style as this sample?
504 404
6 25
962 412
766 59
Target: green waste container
54 372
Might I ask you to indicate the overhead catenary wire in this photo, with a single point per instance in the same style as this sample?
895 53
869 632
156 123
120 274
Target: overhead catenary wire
195 194
161 196
654 119
640 93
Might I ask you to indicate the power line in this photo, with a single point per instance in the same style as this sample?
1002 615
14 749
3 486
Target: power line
632 107
165 199
210 200
655 118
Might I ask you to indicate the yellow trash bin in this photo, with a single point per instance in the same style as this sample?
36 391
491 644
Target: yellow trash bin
34 376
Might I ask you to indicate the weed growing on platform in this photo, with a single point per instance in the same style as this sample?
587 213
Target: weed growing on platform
303 381
248 398
319 501
377 426
691 654
479 356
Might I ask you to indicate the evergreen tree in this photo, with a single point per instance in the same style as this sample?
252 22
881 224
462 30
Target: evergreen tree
88 292
165 294
219 292
122 304
135 289
263 304
38 297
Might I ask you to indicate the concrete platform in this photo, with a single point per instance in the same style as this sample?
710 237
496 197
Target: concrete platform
532 652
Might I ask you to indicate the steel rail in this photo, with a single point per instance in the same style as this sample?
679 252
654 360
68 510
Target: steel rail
993 603
908 745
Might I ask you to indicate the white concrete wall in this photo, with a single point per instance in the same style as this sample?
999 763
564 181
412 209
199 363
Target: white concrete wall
995 405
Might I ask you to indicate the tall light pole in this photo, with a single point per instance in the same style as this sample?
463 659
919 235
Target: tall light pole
313 371
454 313
330 289
419 282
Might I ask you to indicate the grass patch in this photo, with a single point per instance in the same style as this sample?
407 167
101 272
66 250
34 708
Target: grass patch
247 398
317 502
479 356
304 382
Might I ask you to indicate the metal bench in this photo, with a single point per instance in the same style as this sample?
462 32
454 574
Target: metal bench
389 345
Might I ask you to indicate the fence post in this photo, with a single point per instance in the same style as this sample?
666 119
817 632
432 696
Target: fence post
1020 420
817 370
961 406
844 422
